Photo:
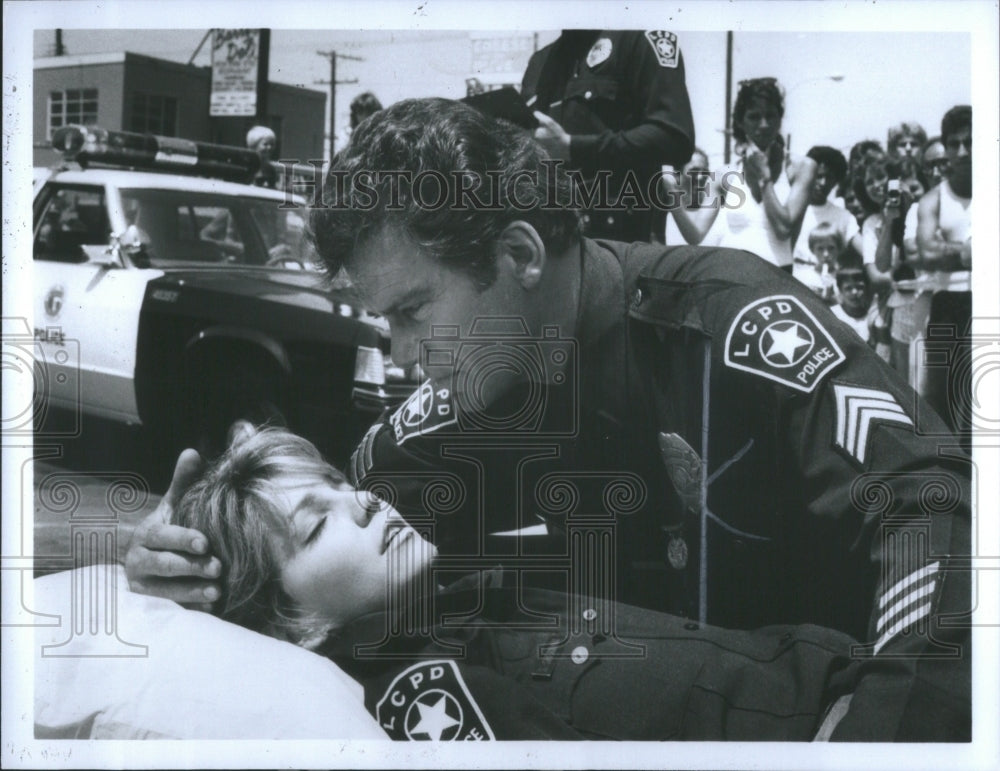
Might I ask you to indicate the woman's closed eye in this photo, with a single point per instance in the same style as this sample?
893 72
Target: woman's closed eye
316 530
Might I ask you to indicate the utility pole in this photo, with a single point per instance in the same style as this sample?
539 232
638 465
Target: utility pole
727 151
333 83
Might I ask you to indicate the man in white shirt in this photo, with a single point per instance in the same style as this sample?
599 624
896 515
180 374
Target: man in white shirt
831 166
944 250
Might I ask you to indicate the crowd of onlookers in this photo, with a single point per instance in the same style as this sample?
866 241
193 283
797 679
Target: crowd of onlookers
883 235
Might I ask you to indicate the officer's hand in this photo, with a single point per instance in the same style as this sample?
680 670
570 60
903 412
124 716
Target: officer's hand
552 137
170 561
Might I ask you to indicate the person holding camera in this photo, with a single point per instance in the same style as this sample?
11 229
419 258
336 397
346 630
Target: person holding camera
709 440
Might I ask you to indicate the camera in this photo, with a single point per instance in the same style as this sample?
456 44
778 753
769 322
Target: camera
505 380
41 370
894 194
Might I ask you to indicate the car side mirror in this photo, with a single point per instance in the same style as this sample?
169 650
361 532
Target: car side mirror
129 242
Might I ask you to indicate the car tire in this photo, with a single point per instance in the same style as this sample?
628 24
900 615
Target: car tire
226 393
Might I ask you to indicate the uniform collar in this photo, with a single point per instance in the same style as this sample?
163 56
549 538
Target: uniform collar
602 292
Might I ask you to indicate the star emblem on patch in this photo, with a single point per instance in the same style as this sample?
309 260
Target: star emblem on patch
778 338
437 716
786 343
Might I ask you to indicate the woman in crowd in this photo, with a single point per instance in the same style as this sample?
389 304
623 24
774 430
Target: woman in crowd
763 203
308 559
694 183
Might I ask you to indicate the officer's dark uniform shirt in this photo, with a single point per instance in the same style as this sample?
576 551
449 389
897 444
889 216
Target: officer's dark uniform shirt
621 96
722 448
491 662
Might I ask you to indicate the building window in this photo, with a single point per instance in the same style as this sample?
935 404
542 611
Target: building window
153 114
75 105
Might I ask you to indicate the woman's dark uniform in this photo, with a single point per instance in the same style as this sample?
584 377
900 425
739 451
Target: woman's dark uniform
496 663
621 96
721 448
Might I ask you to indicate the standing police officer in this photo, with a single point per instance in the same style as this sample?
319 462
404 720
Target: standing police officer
612 102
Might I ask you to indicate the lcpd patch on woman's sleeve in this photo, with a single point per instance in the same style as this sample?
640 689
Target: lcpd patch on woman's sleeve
779 338
431 702
426 410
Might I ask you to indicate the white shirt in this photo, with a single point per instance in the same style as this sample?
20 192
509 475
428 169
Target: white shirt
861 326
747 225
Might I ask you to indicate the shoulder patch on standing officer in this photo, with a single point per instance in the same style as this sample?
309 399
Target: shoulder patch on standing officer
778 338
664 46
857 409
599 52
427 410
431 702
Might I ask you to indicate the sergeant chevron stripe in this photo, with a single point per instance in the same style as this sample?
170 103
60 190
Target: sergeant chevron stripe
910 597
856 409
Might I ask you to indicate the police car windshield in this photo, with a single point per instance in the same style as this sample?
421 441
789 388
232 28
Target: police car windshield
178 226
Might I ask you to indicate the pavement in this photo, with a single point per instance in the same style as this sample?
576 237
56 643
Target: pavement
90 493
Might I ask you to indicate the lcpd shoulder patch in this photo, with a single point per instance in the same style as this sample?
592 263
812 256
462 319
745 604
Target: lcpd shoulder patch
665 46
426 410
780 339
430 702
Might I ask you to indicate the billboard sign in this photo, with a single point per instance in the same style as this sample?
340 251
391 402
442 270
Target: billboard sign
235 68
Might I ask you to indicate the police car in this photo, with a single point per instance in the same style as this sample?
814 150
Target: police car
169 295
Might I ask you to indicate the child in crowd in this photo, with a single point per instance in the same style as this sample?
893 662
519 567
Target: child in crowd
307 558
858 307
826 245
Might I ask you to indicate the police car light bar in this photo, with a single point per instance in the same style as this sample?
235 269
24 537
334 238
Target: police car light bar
92 145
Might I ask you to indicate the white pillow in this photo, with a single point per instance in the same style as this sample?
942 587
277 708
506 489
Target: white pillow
164 672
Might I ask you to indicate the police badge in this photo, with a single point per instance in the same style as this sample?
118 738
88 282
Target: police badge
599 52
664 46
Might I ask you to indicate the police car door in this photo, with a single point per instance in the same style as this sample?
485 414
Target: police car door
87 301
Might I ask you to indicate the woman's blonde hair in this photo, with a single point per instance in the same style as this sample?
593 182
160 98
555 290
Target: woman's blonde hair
240 505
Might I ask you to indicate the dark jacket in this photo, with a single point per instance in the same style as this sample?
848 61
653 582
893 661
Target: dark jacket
731 453
491 662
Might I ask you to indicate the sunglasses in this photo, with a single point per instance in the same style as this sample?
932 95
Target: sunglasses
953 144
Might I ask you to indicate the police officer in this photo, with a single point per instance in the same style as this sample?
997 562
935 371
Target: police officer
614 101
729 452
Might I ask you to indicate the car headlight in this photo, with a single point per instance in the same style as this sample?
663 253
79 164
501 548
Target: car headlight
369 366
